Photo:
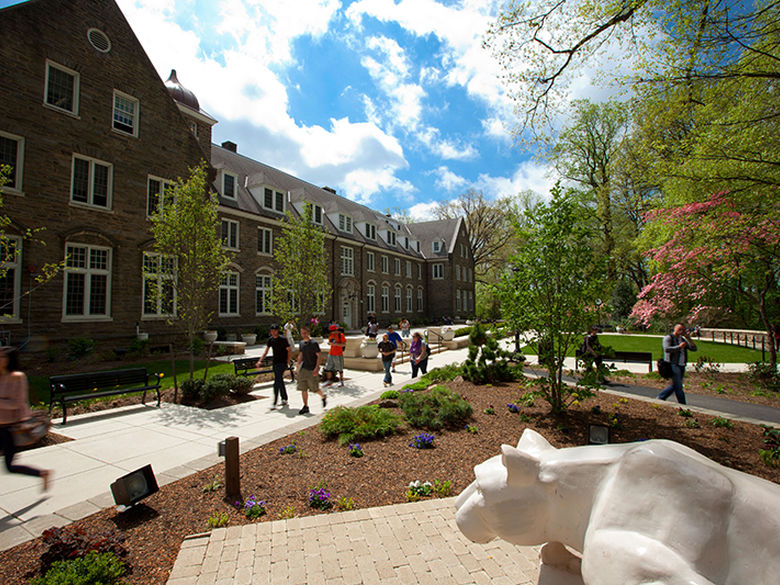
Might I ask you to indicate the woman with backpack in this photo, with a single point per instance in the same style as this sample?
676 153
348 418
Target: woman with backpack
418 354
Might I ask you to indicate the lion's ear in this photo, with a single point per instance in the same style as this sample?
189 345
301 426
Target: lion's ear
521 468
533 443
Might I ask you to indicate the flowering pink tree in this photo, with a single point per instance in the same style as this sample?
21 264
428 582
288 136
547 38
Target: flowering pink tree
719 258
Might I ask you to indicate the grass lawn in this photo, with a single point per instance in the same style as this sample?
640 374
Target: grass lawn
716 352
39 385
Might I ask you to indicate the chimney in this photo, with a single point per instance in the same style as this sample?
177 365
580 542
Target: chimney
231 146
329 190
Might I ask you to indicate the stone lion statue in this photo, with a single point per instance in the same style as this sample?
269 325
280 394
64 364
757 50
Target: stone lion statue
651 513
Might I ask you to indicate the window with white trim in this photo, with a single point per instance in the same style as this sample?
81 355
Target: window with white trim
273 200
370 298
370 266
229 185
316 213
159 278
264 287
405 242
345 223
438 271
385 298
409 303
11 279
125 117
397 266
385 264
87 281
347 261
159 194
457 272
62 88
437 245
408 269
265 241
91 182
12 154
229 230
417 245
457 300
397 298
391 238
228 294
371 231
419 300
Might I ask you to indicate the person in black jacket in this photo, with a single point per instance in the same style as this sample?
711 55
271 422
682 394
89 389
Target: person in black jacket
676 346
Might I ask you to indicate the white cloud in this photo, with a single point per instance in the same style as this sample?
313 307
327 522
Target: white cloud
529 175
423 211
448 181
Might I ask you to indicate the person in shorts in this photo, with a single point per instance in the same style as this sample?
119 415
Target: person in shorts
335 362
308 369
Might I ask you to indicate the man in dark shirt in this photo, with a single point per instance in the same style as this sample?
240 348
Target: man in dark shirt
281 351
395 339
308 369
387 349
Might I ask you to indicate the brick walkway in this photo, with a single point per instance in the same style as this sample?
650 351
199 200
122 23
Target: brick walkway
415 543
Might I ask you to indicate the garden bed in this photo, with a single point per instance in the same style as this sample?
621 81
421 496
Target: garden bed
154 530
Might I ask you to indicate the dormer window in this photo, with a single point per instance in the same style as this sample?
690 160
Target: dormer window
417 245
316 213
345 223
391 238
405 242
437 246
371 231
273 200
229 181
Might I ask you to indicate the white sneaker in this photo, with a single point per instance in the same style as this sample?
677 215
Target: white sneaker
284 403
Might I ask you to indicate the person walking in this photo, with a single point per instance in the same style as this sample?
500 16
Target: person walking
592 347
289 327
418 354
395 339
676 346
281 361
372 328
405 327
335 362
15 408
387 349
308 369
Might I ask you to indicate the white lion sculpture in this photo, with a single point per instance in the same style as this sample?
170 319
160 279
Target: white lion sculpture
652 513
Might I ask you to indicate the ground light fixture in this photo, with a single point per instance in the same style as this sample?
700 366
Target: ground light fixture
130 489
598 434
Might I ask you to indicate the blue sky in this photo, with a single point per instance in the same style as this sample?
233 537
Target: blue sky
394 103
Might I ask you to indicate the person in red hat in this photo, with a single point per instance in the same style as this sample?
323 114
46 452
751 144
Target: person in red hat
335 362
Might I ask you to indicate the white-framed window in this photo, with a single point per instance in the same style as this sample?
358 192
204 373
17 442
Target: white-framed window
370 265
371 231
457 300
264 286
265 241
391 238
87 282
159 278
457 272
347 261
12 154
385 264
126 109
159 194
437 246
438 271
11 279
228 294
229 185
345 223
273 200
62 88
419 272
397 298
371 298
417 245
409 302
408 269
316 213
405 242
229 230
419 300
385 298
91 182
193 126
397 266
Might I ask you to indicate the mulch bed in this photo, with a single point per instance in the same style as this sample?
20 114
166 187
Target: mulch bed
154 530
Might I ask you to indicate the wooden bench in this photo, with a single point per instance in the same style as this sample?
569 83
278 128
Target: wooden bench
634 357
75 387
248 366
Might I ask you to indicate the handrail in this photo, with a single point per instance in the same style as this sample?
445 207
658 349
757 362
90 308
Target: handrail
439 335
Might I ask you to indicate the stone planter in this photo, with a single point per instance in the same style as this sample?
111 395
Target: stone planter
210 335
369 348
249 338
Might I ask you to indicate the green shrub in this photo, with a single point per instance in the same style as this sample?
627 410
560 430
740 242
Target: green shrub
78 347
764 374
138 348
416 386
242 385
190 389
435 409
461 331
487 362
216 386
442 374
93 569
350 424
389 395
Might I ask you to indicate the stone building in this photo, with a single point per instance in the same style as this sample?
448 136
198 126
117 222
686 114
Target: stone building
94 136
